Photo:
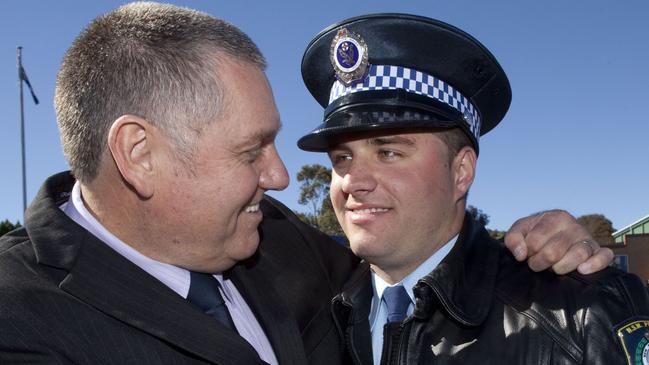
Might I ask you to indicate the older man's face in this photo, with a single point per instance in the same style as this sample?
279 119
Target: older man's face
395 197
212 208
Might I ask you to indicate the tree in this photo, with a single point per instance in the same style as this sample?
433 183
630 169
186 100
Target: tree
496 234
477 214
600 227
315 181
327 221
483 218
314 191
6 226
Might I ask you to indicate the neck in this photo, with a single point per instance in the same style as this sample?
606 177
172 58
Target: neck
395 273
111 203
390 276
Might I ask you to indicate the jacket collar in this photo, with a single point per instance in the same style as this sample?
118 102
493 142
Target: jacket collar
56 238
464 282
282 330
94 274
351 310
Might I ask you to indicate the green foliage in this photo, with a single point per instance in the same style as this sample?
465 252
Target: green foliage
307 218
483 218
600 227
6 226
327 221
315 180
314 190
496 234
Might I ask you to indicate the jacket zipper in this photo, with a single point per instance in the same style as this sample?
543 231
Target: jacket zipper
349 334
403 343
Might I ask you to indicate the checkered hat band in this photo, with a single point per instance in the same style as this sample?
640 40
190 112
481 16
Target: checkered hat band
385 77
385 117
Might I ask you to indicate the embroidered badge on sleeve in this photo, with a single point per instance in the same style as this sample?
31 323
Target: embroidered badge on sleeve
634 336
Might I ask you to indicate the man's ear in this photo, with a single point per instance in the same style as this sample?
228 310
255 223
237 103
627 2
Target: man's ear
129 141
464 165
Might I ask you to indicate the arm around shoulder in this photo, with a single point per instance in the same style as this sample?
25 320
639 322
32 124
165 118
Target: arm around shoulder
616 326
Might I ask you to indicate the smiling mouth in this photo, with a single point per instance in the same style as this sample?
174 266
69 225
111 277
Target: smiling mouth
253 208
369 210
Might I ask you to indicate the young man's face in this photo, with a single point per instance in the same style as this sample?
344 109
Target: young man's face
396 197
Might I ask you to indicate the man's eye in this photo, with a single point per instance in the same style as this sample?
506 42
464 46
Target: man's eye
337 159
253 154
388 154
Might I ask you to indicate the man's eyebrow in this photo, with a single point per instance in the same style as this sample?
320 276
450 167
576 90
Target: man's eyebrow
379 141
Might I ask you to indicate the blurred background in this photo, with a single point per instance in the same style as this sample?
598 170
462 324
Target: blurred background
575 136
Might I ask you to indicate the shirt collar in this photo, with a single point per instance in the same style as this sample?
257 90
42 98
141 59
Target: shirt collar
411 279
176 278
378 311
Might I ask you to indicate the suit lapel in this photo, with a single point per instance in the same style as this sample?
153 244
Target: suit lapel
101 278
280 326
123 291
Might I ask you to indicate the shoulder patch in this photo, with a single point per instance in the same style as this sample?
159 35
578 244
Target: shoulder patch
634 336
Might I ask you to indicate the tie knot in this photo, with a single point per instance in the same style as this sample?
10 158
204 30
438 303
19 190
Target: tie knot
204 291
397 301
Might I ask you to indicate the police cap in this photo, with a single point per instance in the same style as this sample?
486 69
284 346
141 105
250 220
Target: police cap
396 71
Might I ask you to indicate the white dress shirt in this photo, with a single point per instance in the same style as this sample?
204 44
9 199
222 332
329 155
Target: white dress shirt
379 311
176 278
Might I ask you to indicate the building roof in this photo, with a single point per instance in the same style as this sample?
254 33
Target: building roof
639 221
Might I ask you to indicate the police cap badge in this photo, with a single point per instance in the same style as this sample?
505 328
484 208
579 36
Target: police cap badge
383 71
348 56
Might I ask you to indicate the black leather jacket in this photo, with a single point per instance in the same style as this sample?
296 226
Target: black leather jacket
481 306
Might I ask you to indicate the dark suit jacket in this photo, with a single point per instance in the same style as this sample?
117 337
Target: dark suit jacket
66 297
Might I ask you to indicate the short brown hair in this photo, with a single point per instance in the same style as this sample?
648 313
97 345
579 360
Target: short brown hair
455 139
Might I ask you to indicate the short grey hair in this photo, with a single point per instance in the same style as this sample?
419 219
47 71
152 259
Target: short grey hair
156 61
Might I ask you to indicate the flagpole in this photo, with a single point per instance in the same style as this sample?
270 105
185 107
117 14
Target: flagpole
19 51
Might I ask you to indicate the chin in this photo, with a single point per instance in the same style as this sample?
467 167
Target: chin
246 247
363 246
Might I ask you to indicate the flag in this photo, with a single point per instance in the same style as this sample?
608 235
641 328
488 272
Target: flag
22 75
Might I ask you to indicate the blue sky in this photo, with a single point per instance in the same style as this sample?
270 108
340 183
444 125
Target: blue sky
575 136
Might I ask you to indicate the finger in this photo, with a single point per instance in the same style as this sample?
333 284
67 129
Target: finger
552 252
577 254
602 258
515 238
542 233
515 242
560 226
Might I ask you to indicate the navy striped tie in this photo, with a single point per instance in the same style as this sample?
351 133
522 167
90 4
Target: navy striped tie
205 294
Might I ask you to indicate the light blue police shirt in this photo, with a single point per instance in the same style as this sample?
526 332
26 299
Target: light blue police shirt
379 312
